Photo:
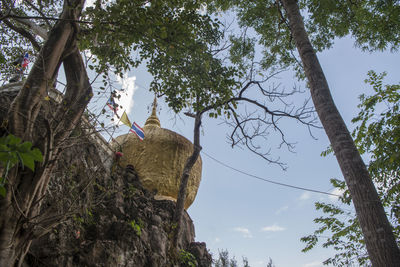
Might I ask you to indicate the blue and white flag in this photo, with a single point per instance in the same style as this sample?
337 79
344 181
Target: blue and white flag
137 130
25 62
111 104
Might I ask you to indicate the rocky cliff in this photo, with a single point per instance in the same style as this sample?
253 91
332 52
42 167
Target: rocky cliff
127 227
99 214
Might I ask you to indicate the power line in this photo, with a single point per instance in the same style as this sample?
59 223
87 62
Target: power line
267 180
261 178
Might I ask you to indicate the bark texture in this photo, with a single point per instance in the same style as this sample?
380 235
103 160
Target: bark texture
377 231
26 189
180 202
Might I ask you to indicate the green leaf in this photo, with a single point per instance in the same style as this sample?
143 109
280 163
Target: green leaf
37 155
4 156
25 147
163 33
13 140
2 191
3 141
27 160
8 158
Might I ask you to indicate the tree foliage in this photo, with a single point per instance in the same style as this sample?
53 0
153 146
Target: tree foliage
377 135
374 24
187 259
378 132
224 260
18 35
172 37
266 18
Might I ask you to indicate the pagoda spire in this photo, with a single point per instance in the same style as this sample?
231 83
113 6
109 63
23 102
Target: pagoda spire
153 119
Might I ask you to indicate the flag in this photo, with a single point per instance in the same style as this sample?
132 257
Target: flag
25 62
137 130
111 104
125 120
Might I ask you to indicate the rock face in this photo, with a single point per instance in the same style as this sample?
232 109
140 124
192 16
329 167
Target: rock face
128 228
103 214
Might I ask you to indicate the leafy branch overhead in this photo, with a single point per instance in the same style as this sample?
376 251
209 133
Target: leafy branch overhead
166 35
172 37
374 25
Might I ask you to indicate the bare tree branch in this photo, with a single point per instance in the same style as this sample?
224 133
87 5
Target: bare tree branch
24 33
31 25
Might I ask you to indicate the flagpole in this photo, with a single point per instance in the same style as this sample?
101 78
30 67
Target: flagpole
131 125
95 118
111 137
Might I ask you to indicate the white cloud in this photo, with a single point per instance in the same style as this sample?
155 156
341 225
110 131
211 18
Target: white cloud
273 228
126 100
128 89
335 191
313 264
246 232
89 3
217 240
305 196
282 209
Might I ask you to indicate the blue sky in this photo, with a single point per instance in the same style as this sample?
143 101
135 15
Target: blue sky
252 218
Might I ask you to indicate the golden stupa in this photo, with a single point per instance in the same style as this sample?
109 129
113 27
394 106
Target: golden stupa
159 159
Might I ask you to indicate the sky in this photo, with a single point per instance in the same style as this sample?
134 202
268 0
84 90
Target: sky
249 217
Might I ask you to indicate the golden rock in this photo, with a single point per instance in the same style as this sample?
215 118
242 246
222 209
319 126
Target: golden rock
159 160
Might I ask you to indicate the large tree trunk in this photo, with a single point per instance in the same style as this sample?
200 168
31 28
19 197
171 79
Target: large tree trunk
180 202
25 189
378 235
